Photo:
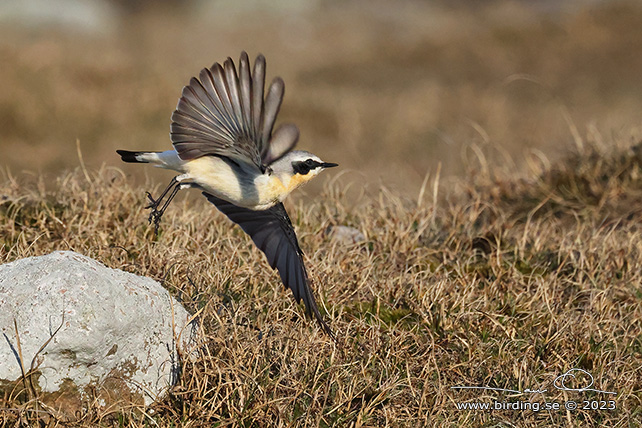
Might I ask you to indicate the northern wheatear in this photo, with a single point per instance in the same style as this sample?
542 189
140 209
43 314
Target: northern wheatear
224 145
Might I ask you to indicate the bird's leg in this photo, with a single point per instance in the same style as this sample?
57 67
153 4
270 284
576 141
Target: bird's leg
156 214
155 202
174 186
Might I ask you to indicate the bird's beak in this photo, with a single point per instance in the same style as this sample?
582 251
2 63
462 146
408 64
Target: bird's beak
329 164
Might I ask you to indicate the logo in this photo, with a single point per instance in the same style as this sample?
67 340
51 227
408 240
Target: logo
576 380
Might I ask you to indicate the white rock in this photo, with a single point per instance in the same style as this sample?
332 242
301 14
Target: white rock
345 234
116 325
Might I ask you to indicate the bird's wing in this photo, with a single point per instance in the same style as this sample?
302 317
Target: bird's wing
282 141
272 232
224 113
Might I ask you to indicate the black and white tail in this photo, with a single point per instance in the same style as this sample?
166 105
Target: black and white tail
134 157
168 159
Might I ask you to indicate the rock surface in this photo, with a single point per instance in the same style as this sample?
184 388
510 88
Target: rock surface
345 234
104 333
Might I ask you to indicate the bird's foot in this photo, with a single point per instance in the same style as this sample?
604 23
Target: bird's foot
155 214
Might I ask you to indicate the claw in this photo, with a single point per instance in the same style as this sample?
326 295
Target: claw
153 202
156 214
153 216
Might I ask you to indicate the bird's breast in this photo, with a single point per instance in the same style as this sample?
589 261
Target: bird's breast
238 184
271 189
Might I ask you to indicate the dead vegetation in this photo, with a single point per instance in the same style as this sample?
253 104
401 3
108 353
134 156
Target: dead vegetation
501 278
508 282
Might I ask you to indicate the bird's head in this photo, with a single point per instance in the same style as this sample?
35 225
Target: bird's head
298 167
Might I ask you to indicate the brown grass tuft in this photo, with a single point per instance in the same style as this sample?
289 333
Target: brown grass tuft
506 283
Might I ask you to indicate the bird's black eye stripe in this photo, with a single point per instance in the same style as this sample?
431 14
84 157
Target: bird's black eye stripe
303 167
300 168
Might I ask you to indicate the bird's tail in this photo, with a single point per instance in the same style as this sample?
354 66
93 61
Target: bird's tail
137 157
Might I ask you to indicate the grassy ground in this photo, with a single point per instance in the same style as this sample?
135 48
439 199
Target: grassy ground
517 263
508 281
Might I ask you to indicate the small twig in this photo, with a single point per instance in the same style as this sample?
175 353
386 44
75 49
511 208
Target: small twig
44 345
22 368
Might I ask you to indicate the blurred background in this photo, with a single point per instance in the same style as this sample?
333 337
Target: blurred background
389 89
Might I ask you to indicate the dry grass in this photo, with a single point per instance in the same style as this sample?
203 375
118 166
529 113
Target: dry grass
503 278
508 282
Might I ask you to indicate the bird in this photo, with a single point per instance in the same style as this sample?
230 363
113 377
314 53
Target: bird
225 144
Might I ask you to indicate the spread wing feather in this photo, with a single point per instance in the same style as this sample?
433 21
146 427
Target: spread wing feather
271 109
225 113
245 82
272 232
258 85
282 141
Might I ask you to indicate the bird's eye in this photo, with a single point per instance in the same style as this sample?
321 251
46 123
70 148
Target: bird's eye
309 163
301 167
